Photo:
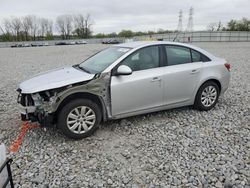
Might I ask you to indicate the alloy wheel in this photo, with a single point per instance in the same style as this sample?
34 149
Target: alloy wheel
81 119
209 96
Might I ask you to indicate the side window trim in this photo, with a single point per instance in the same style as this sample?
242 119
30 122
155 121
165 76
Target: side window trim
161 55
165 59
191 54
164 55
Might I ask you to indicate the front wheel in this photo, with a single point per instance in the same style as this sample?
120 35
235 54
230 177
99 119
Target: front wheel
207 96
79 118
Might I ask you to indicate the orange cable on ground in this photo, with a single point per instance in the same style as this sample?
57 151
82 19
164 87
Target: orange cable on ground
17 143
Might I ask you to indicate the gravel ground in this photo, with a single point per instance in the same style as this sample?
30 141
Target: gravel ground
174 148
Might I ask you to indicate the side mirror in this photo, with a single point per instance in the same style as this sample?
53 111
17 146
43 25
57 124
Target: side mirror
123 70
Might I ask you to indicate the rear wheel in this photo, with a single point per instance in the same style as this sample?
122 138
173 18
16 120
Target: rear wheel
79 118
207 96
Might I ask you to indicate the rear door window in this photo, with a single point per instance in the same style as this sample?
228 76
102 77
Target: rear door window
177 55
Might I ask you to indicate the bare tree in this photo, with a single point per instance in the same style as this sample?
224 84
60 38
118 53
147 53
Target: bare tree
64 25
82 25
215 26
68 20
88 24
60 24
219 26
13 27
27 26
211 27
34 26
79 25
17 26
6 30
8 26
45 27
30 26
49 28
42 26
2 30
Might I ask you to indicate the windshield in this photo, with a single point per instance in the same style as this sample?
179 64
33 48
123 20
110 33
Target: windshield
100 61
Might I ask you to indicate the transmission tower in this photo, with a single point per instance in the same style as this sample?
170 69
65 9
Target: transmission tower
190 20
179 28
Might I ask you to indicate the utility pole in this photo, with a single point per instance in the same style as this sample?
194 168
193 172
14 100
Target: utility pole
179 28
190 20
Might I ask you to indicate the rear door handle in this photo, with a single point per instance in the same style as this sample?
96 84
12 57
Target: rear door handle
155 79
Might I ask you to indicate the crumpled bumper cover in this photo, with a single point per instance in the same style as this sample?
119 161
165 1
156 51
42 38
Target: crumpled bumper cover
26 109
30 112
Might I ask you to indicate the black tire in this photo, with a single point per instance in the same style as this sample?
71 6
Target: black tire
68 108
198 101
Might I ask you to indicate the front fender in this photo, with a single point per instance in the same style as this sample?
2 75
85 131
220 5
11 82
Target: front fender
99 86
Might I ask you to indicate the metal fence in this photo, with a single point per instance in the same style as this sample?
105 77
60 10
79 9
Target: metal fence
201 36
218 36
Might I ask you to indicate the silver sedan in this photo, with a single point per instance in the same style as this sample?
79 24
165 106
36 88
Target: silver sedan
124 80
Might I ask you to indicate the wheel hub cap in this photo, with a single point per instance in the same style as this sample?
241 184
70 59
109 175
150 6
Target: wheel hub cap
81 119
209 96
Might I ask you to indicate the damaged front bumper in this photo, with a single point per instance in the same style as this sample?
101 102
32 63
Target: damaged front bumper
32 109
43 106
27 109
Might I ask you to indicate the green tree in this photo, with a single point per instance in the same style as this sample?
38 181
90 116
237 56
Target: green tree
232 25
244 25
239 25
126 33
100 35
111 35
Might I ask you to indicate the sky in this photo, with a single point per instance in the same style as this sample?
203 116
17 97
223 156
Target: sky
137 15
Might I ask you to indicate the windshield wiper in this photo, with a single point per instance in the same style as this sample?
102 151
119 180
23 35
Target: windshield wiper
85 70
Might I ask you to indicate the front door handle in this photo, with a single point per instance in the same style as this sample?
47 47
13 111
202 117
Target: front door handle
155 79
194 71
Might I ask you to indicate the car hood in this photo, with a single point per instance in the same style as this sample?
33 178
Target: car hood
54 79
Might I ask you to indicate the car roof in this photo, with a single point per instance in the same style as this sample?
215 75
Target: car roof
141 44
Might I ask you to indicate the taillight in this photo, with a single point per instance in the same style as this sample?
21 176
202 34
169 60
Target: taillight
228 66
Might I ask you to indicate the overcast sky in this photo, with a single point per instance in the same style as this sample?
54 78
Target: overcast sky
144 15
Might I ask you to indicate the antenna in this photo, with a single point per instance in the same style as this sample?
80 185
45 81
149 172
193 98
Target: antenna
190 20
179 28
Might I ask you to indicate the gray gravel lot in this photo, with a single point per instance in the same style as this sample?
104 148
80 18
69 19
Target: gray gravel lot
174 148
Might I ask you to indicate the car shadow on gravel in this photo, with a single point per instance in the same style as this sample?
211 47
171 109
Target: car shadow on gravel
107 129
125 126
